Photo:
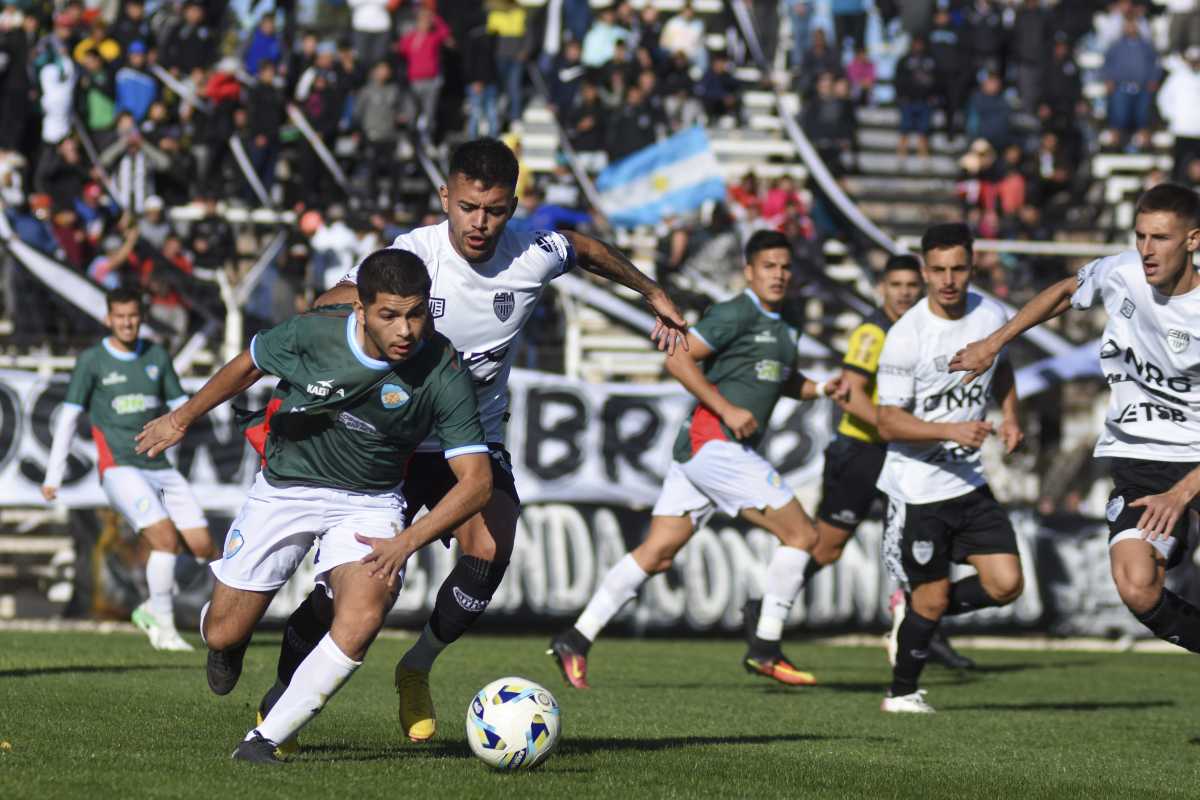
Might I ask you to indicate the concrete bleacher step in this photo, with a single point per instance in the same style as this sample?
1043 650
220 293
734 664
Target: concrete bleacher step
877 163
886 139
889 117
908 213
909 188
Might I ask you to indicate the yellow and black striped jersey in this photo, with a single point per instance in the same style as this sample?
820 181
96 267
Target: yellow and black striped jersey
862 356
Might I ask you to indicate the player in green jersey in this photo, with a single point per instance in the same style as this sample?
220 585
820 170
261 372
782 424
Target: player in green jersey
741 359
122 382
363 389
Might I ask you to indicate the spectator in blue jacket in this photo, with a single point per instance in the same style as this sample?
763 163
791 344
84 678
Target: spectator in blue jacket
264 45
136 90
988 114
1131 75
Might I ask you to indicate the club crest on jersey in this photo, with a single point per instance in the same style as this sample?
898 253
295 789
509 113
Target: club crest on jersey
393 396
922 551
234 543
152 371
437 307
1178 340
1127 308
503 304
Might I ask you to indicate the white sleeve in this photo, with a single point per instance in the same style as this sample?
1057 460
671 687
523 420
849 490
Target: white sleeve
559 255
405 241
1090 281
64 432
896 378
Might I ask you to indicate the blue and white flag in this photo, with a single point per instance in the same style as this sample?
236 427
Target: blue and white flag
674 176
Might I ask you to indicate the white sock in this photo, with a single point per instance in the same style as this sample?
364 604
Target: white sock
160 577
422 654
618 587
785 579
317 679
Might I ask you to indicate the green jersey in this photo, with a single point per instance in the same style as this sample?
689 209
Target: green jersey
754 354
345 420
121 392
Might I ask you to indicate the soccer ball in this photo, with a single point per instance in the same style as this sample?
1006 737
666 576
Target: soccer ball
513 723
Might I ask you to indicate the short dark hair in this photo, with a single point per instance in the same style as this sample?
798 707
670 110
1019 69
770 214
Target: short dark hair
122 294
766 240
901 262
487 160
392 271
1171 197
947 235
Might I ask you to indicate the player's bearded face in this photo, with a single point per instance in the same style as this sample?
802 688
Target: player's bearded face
477 215
123 320
947 272
1165 243
768 275
393 325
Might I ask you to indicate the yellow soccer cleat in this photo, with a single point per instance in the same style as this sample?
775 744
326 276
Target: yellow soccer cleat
417 719
283 749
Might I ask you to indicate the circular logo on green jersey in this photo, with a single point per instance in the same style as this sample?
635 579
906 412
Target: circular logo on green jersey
393 396
152 371
233 543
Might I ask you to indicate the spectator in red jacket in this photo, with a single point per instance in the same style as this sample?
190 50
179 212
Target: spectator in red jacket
422 48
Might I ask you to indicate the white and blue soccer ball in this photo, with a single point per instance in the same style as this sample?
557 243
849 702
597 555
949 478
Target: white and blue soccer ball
513 723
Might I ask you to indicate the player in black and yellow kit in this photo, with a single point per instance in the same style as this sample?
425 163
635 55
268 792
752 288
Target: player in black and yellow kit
855 456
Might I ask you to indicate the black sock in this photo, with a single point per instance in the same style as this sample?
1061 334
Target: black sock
576 640
810 569
305 628
911 652
968 595
1174 620
464 596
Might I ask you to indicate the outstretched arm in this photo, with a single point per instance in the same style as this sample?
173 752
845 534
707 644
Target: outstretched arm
977 357
606 261
231 380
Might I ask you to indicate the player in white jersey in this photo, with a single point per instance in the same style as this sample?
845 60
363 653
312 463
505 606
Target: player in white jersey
486 281
1151 361
940 509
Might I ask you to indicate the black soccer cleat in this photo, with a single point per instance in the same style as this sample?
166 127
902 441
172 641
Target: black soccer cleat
942 652
225 667
569 649
257 750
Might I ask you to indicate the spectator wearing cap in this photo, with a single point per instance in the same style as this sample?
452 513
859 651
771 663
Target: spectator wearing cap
99 41
264 45
95 210
1130 74
1179 105
154 225
192 45
135 89
684 33
132 26
422 47
372 28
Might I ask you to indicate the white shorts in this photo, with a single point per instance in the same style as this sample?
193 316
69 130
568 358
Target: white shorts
723 475
277 525
147 496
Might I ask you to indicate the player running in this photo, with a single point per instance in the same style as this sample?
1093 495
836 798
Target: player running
741 360
121 383
940 509
1152 430
855 456
487 280
363 390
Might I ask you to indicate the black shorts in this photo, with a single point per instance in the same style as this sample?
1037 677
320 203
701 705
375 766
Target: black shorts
1135 478
920 542
430 478
848 481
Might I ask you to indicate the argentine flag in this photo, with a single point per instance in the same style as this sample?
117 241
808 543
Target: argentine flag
673 176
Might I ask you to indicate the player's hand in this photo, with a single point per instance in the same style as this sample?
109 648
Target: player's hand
670 328
740 421
971 434
1012 435
50 493
1162 514
159 434
387 556
839 389
974 359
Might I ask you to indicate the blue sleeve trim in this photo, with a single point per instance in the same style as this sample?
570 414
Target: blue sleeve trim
704 341
253 357
177 402
466 449
72 405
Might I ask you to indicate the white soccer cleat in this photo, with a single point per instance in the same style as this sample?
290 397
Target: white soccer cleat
906 704
162 633
892 640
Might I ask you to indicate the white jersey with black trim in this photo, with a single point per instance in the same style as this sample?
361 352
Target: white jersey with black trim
482 307
1150 356
913 374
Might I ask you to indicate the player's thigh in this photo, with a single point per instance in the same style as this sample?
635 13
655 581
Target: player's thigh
181 505
135 498
1139 570
490 534
1000 574
1137 479
734 477
378 515
923 534
981 527
232 614
789 523
360 605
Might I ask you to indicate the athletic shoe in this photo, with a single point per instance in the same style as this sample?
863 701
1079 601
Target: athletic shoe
224 668
287 747
941 652
571 660
906 703
417 719
257 750
777 668
162 633
892 640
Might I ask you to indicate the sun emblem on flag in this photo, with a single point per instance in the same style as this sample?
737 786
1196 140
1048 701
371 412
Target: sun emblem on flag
660 182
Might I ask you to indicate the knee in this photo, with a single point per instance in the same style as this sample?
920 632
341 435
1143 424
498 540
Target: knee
654 560
222 634
826 553
204 550
1005 588
931 604
483 547
800 537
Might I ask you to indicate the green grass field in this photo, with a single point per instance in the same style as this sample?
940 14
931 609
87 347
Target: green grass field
99 716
